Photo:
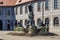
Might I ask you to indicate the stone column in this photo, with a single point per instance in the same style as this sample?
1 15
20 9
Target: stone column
51 25
51 22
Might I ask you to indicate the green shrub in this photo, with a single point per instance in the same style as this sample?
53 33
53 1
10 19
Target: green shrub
19 28
30 29
43 29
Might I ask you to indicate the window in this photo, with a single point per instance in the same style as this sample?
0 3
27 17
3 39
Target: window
56 21
21 10
39 22
16 10
26 9
8 13
39 5
21 23
55 4
46 4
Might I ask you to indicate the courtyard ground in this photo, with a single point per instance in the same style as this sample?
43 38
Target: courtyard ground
4 36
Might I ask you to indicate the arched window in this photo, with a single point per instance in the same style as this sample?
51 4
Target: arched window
39 22
47 21
56 21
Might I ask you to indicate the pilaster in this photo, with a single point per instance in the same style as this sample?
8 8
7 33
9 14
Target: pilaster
51 22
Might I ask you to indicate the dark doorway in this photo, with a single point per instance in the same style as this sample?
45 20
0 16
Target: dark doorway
8 26
1 26
47 21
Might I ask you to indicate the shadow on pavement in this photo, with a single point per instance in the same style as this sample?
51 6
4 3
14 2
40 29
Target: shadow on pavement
16 34
48 34
28 34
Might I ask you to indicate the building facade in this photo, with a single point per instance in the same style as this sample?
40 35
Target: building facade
51 10
7 18
7 15
20 11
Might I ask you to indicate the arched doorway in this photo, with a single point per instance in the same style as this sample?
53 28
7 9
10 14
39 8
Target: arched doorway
47 21
39 22
8 25
1 25
56 21
47 24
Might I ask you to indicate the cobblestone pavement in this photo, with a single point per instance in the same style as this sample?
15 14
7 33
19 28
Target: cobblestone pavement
4 36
